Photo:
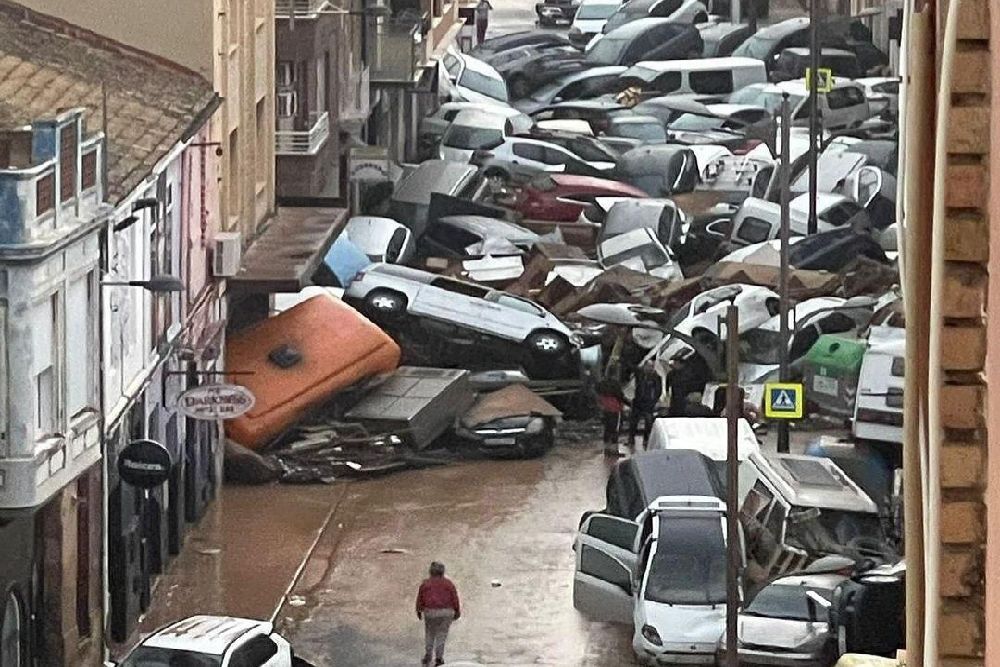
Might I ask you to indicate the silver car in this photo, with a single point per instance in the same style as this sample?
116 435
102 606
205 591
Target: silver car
787 622
386 290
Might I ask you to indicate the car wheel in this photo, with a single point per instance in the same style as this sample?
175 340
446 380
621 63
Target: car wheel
547 342
385 302
497 177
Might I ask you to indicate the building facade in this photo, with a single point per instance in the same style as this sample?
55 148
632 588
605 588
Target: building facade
160 307
952 278
322 90
52 211
228 42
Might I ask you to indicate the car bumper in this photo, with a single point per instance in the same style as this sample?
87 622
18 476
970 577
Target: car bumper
758 658
669 659
505 444
554 12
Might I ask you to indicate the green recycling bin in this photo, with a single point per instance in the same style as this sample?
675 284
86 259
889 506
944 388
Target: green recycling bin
830 373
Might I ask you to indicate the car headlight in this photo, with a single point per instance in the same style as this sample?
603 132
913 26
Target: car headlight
650 634
536 425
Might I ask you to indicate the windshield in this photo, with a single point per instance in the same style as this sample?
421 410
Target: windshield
596 11
770 100
147 656
607 51
590 151
481 83
760 346
689 566
650 255
646 132
690 122
471 138
787 602
756 47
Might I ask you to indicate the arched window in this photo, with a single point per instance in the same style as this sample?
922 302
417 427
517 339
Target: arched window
10 633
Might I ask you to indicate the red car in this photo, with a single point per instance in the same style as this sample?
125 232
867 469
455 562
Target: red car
561 197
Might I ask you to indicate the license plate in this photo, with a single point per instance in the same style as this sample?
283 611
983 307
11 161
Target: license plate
501 441
825 385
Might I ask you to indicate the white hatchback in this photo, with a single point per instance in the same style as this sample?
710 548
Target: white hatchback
212 641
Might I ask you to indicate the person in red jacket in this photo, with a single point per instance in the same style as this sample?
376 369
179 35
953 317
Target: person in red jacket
437 606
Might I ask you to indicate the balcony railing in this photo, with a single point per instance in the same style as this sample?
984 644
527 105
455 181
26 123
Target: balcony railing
301 9
396 47
303 142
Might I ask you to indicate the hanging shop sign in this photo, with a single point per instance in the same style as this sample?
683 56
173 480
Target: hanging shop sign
144 464
216 401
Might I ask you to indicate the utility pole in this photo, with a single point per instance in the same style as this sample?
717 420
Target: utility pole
734 409
814 51
752 17
736 11
786 168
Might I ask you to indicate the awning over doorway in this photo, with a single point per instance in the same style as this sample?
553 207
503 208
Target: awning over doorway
285 256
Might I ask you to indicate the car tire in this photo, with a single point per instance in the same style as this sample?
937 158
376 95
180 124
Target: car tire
547 342
499 175
385 302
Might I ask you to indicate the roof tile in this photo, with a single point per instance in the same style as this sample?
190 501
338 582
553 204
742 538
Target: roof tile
151 103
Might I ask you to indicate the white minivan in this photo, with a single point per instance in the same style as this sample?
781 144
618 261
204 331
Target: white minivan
705 76
664 574
845 106
878 409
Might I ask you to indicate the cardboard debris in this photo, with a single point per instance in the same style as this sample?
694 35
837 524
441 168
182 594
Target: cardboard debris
801 284
616 284
511 401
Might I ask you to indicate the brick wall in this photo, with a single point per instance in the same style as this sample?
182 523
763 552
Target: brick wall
964 347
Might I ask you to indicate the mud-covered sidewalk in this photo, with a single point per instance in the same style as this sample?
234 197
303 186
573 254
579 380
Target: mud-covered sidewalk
243 556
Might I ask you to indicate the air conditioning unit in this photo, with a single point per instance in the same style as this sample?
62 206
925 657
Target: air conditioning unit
228 254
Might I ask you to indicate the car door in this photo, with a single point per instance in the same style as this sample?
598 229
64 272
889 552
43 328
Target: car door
603 579
512 317
530 155
452 301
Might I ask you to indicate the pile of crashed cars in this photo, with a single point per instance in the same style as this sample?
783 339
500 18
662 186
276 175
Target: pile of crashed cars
604 196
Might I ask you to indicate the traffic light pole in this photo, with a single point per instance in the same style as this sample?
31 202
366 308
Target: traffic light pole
814 60
783 304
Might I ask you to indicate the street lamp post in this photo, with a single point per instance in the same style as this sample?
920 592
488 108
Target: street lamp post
786 167
814 52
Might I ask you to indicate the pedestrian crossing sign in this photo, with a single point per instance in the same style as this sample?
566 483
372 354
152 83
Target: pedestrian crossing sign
823 82
783 400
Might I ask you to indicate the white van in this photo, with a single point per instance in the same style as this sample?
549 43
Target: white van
705 76
709 436
878 409
845 106
758 220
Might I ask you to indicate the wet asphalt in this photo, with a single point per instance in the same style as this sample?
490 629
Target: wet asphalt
504 529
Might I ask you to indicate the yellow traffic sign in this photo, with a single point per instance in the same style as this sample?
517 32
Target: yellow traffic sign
784 400
824 80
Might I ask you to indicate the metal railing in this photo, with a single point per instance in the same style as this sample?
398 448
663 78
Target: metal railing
396 47
302 9
303 142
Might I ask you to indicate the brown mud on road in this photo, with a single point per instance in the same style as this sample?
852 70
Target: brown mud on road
504 529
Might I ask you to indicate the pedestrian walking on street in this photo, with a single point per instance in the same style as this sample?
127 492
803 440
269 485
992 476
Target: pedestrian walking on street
437 606
611 401
648 388
482 19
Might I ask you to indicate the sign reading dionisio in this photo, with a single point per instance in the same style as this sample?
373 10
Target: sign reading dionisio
216 401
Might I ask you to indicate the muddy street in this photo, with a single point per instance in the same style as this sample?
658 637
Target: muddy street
504 529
